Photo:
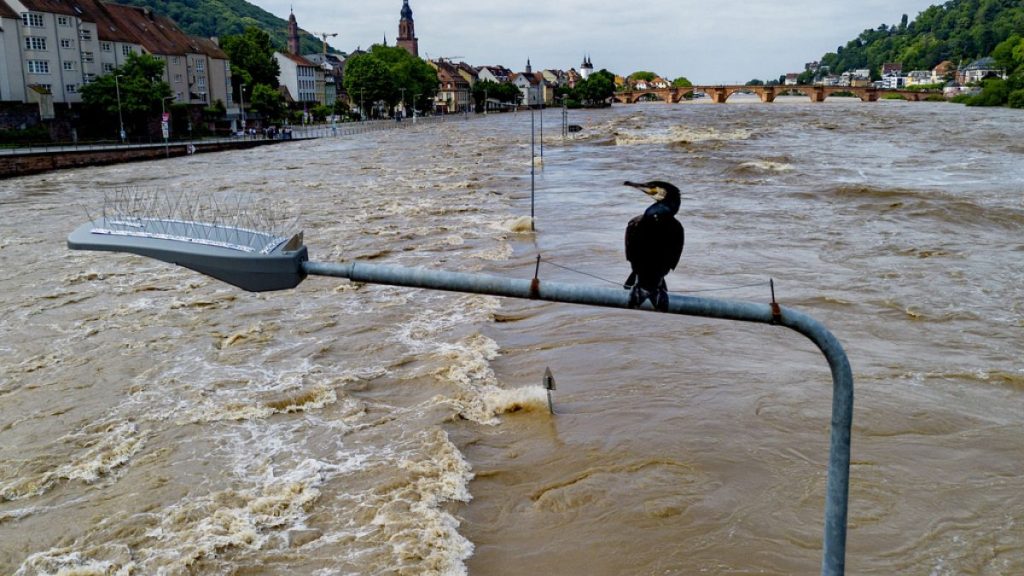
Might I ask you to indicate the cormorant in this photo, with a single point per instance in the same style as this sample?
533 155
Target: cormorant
654 243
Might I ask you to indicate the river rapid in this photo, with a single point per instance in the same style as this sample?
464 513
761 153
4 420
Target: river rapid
155 421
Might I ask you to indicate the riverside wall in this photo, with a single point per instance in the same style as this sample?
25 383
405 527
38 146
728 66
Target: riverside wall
23 164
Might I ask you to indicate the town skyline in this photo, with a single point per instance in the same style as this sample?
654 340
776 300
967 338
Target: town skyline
760 40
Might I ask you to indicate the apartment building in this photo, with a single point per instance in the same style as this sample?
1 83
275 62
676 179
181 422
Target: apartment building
54 47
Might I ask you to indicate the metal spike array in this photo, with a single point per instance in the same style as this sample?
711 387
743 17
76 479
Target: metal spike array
236 221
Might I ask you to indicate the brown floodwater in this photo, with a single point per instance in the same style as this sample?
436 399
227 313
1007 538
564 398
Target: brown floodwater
155 421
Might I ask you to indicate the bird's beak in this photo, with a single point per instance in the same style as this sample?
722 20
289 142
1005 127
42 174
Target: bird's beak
656 193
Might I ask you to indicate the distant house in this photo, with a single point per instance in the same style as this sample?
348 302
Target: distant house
941 72
979 70
530 87
334 74
555 77
791 78
303 80
572 77
919 77
891 68
893 81
640 85
497 74
659 82
453 90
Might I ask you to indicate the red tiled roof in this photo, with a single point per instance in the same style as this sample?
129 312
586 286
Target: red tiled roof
297 59
6 11
58 7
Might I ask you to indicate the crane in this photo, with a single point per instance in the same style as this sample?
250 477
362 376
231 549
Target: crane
324 36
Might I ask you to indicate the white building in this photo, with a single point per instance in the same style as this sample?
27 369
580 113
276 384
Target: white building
303 79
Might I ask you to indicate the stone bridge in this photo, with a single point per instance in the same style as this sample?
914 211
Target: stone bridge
720 93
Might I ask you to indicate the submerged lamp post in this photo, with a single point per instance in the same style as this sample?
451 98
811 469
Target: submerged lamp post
264 261
120 117
165 124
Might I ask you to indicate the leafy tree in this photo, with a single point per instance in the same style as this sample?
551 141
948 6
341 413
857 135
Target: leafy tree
381 75
368 80
596 89
681 82
755 82
268 102
252 59
643 75
505 92
135 90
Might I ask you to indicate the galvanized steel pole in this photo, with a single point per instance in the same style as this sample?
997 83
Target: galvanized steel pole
833 561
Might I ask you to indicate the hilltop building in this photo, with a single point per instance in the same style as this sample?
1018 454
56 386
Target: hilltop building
407 31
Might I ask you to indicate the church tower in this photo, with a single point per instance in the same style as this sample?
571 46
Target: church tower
586 68
293 35
407 31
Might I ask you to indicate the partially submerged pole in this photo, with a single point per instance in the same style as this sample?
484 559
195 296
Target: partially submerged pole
263 261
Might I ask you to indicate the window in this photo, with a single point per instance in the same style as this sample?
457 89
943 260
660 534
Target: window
35 43
201 82
175 60
88 78
87 57
199 66
178 79
106 46
126 50
32 20
63 21
71 88
38 67
85 34
69 65
108 67
45 87
66 43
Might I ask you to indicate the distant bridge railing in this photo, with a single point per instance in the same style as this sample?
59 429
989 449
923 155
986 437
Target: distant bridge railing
719 94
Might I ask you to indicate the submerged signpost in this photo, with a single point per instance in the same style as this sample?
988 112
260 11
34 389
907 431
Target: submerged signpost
240 254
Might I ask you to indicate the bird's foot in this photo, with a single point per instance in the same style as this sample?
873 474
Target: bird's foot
630 281
660 299
637 296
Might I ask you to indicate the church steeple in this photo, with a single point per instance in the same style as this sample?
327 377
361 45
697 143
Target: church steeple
407 31
529 69
293 34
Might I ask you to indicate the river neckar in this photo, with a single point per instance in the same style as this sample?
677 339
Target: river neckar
154 420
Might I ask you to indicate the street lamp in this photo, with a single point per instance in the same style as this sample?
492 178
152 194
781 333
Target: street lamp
403 101
415 97
241 103
165 125
120 118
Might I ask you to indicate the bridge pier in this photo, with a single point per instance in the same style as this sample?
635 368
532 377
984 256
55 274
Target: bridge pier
817 95
719 95
767 95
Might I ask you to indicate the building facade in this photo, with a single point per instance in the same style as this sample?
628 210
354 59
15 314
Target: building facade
57 47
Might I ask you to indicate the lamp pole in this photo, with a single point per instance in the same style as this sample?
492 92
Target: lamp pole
120 117
241 103
403 101
165 125
415 97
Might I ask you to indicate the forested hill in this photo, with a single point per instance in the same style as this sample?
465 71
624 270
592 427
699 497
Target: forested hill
959 30
224 17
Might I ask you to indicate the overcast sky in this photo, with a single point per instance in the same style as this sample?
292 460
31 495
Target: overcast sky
708 41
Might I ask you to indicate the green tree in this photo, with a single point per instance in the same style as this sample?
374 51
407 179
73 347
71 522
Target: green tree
268 102
643 75
755 82
252 59
596 89
388 74
134 92
506 93
682 82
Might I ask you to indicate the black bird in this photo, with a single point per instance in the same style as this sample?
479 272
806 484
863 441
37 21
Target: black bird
654 243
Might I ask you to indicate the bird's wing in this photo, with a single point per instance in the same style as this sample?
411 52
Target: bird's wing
675 245
635 245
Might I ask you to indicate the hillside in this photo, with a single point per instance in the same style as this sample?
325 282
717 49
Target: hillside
958 31
223 17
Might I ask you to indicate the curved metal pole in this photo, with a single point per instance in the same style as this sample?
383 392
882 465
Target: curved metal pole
833 562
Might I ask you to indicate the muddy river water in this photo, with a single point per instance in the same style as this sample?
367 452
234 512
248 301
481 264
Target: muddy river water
155 421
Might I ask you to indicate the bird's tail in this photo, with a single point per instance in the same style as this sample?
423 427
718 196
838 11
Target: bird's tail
631 281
